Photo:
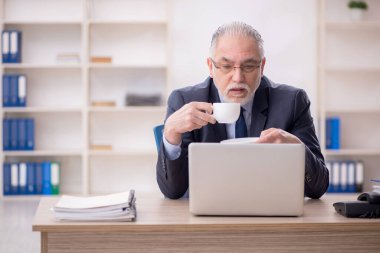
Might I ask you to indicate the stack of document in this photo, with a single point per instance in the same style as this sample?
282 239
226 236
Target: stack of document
113 207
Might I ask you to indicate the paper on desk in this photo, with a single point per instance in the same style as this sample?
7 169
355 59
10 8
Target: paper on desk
73 202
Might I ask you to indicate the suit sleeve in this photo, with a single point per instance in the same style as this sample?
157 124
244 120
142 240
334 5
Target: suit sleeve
316 173
173 175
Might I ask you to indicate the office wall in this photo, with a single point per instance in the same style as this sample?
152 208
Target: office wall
289 30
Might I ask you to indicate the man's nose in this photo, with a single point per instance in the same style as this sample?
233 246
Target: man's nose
237 75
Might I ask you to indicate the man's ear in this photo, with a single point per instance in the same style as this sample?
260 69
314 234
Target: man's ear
209 64
263 61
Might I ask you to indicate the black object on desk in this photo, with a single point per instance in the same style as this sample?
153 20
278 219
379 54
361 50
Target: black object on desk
367 206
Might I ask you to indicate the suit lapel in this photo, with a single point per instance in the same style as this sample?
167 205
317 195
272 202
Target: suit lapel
259 109
218 129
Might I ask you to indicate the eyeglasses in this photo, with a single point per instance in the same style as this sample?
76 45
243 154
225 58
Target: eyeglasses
227 68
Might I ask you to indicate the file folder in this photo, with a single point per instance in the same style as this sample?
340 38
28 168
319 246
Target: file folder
55 177
21 97
46 178
14 90
328 166
343 177
335 176
39 178
14 134
359 174
6 90
15 47
7 188
351 176
333 133
14 178
5 51
30 134
22 134
30 179
22 168
6 134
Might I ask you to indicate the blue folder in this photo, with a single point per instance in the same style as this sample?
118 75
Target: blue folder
14 90
6 134
31 179
15 46
21 90
5 46
30 141
46 175
22 177
22 132
39 178
14 178
6 90
14 134
7 190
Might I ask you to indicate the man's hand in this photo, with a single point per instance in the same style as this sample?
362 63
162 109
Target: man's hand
276 135
191 116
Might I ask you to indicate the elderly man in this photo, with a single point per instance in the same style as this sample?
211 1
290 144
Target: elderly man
275 113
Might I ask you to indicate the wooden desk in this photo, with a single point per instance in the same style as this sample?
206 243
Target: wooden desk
164 225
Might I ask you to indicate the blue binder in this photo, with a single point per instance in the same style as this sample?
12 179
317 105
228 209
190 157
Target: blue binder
21 90
14 90
39 177
46 175
14 134
6 90
7 190
14 178
333 133
5 46
15 46
22 177
30 179
351 176
22 131
6 134
30 134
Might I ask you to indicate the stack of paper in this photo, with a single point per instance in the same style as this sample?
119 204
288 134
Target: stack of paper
113 207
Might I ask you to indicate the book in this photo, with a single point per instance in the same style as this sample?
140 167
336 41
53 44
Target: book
101 59
113 207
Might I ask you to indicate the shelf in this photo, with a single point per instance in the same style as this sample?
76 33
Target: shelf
128 22
344 152
40 110
43 153
352 69
126 66
40 66
122 152
43 22
127 109
354 111
352 24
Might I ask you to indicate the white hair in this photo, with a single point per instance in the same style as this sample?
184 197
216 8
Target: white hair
237 28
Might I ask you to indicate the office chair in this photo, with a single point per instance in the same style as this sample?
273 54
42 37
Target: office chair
157 130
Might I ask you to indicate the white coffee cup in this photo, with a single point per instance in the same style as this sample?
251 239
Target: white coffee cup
226 112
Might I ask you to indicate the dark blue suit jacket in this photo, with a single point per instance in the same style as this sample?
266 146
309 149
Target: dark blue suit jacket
274 105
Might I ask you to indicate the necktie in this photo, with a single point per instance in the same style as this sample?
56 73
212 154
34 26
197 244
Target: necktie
240 126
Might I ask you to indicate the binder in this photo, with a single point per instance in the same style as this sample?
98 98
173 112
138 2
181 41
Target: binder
6 90
14 134
39 177
30 134
15 47
333 133
5 47
21 126
6 134
30 178
46 178
55 177
22 168
14 90
14 178
359 176
343 176
7 188
335 176
351 176
21 96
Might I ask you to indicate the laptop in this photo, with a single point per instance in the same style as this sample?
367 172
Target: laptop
246 179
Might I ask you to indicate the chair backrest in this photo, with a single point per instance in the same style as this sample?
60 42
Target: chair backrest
157 130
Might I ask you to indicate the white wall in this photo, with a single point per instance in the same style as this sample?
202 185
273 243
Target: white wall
289 30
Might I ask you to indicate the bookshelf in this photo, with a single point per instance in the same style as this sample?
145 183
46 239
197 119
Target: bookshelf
60 95
349 83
